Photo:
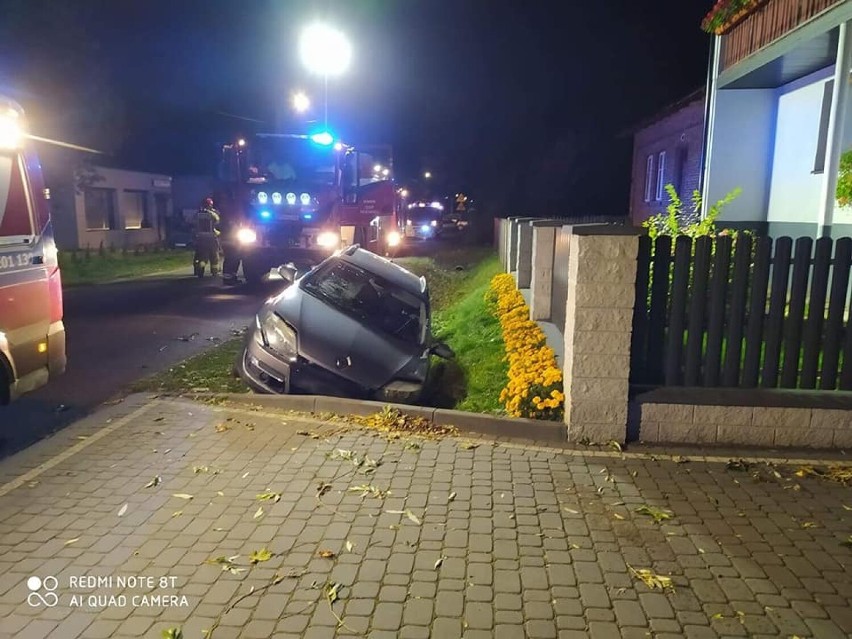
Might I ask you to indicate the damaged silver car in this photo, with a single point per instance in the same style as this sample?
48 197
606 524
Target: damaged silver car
357 325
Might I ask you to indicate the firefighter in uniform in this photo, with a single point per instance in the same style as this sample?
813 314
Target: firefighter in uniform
207 239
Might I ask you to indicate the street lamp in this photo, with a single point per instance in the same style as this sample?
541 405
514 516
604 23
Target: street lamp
325 51
301 102
427 175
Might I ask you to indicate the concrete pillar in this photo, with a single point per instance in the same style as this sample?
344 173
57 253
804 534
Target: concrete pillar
512 248
834 141
598 324
505 231
541 280
525 240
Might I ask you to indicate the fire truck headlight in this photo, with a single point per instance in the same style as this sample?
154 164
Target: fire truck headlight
263 197
246 236
305 199
394 239
10 130
276 198
291 199
328 239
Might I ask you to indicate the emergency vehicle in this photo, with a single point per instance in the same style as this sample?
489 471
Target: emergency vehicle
32 335
298 198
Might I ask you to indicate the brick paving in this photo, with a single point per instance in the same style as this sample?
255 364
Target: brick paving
475 538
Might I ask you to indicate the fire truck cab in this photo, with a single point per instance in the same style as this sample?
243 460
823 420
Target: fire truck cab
32 335
298 198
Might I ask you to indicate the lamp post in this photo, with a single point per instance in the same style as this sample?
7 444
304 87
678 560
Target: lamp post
325 51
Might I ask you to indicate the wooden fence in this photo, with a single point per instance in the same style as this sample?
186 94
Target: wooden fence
747 313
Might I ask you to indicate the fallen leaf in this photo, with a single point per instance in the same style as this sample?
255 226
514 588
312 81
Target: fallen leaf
845 507
407 513
326 554
220 493
177 513
332 592
847 542
258 513
245 475
678 459
740 465
370 490
349 546
439 562
257 556
617 516
452 497
172 633
122 510
469 446
154 482
809 524
221 428
657 514
615 445
182 496
269 496
71 541
651 579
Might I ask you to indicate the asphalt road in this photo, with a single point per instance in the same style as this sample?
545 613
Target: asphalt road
121 332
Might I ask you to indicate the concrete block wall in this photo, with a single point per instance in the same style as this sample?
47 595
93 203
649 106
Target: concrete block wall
745 426
598 325
541 277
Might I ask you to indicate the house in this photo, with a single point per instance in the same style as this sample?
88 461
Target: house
667 150
780 114
94 206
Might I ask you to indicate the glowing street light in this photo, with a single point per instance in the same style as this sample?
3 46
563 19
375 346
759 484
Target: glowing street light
301 102
427 175
325 51
404 193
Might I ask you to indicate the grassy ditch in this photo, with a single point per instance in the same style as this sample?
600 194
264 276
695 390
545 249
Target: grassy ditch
458 280
96 267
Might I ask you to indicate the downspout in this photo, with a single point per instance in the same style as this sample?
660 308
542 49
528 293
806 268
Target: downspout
709 116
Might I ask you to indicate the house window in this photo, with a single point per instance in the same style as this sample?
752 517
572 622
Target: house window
100 208
649 177
135 210
661 176
822 139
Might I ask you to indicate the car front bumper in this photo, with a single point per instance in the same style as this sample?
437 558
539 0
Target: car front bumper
266 373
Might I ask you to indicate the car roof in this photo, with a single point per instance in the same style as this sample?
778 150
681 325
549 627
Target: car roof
382 267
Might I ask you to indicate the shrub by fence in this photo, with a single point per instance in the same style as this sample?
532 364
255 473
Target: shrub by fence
745 312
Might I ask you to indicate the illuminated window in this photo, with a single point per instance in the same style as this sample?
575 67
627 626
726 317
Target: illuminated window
99 207
134 209
661 175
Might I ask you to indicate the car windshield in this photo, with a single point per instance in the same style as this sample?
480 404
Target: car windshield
277 158
372 300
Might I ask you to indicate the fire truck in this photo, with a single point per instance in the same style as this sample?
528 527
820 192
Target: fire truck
32 334
298 198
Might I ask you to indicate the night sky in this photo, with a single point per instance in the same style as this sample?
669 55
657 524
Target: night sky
527 104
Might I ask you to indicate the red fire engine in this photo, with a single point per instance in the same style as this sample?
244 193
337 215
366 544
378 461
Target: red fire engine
32 335
297 198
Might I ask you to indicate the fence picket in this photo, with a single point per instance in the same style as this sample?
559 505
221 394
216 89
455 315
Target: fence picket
639 336
677 313
736 323
757 312
777 304
846 367
716 311
836 308
697 308
816 312
659 306
796 313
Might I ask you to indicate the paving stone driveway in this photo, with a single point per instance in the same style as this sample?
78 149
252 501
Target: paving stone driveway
473 539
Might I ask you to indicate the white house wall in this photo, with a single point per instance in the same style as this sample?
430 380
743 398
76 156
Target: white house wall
742 144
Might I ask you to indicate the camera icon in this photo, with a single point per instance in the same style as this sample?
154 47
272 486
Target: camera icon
36 585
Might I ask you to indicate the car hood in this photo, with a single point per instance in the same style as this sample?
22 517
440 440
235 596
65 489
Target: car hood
341 344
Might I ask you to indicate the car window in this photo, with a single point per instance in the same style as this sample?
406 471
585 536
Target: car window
15 222
370 299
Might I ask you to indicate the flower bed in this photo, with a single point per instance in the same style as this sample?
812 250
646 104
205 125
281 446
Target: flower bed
534 388
726 14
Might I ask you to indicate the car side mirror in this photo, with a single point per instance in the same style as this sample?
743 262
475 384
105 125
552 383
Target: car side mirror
442 350
288 272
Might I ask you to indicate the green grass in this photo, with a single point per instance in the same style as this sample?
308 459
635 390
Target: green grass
99 268
458 280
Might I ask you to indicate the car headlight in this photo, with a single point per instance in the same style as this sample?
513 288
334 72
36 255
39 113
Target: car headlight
246 236
278 335
305 199
276 198
328 239
394 238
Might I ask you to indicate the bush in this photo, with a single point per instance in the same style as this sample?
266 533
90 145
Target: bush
534 388
678 220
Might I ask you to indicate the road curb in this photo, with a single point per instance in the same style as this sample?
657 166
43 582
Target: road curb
490 425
